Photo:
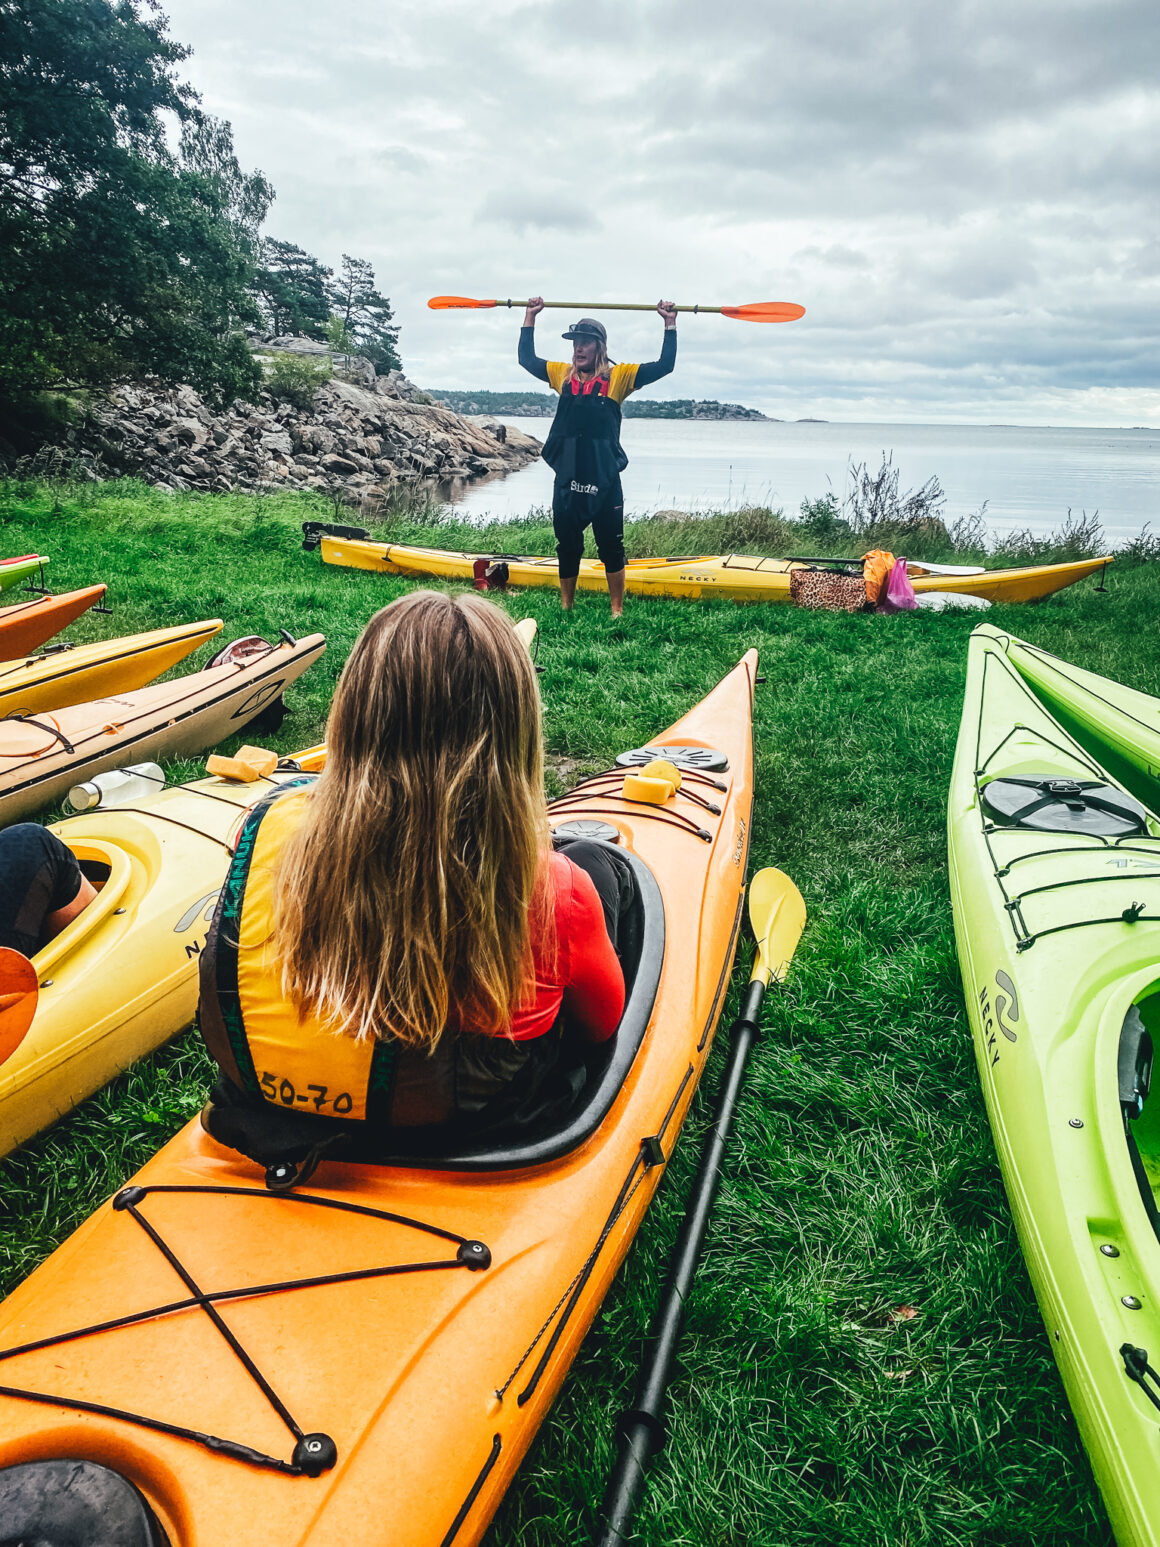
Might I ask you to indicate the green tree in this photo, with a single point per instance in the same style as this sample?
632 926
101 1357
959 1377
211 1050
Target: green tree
364 314
120 258
291 290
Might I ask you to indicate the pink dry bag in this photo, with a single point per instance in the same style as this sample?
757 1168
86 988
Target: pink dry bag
898 593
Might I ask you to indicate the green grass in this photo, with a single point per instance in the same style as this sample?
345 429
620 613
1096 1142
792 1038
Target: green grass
861 1178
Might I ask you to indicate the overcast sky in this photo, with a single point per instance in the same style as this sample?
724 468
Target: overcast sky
962 195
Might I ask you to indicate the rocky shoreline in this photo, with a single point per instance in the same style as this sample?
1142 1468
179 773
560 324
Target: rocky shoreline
362 437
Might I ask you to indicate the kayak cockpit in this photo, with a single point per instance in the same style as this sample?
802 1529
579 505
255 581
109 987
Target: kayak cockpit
69 1503
110 870
290 1143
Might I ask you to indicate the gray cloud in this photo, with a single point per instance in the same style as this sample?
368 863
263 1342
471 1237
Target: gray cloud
963 197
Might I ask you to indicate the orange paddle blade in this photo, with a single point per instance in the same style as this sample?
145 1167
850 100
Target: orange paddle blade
18 995
450 303
765 311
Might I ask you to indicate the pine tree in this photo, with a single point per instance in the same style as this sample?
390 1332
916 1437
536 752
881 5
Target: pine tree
291 290
364 314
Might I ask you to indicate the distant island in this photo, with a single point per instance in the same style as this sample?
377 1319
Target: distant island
542 405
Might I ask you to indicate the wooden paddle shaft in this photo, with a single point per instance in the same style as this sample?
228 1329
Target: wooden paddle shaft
610 306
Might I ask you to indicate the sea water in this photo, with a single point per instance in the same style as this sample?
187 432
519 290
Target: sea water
1026 477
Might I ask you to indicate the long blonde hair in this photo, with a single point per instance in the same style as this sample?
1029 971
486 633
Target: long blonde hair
405 898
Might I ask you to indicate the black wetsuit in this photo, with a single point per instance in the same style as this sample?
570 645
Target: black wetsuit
583 450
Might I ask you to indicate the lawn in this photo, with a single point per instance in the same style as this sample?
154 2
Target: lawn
864 1362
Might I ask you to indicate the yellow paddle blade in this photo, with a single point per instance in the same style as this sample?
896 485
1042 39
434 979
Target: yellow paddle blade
18 994
777 916
527 628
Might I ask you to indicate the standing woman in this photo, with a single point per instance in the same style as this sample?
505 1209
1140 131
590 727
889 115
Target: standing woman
583 446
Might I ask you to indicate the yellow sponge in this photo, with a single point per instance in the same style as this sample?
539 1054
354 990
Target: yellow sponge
651 792
661 768
246 765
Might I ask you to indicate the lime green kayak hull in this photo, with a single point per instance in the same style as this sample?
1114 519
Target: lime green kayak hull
1050 969
14 571
1120 726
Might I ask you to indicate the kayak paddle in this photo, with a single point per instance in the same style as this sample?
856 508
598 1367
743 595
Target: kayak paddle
777 915
754 311
19 991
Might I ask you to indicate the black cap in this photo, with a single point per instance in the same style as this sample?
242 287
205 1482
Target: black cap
587 327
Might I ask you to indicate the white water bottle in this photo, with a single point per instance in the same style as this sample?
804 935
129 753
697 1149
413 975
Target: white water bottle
118 787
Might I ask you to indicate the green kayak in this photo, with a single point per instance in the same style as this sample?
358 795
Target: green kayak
1119 726
1055 885
13 571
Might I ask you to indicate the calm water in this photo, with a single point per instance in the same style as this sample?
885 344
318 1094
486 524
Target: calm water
1028 477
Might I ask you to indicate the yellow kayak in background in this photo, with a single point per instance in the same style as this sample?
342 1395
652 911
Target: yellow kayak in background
740 577
121 979
53 679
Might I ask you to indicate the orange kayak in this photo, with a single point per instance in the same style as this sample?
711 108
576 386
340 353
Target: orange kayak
368 1357
26 626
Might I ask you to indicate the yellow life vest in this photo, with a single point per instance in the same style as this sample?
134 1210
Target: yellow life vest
264 1045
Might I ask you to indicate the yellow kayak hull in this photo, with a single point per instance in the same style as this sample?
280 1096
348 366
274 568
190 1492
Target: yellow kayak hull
57 679
739 577
121 979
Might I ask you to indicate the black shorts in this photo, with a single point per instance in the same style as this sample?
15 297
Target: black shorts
38 875
607 528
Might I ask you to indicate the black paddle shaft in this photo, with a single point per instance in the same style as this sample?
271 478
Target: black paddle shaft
641 1427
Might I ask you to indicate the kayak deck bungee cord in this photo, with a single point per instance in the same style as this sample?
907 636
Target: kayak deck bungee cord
1055 887
1118 725
253 1368
738 577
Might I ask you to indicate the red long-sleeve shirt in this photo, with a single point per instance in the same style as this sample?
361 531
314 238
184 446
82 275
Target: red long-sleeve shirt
586 978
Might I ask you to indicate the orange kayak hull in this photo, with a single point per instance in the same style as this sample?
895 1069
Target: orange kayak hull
430 1378
25 626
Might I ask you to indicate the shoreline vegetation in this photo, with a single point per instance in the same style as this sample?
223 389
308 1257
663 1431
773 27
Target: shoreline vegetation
863 1356
542 405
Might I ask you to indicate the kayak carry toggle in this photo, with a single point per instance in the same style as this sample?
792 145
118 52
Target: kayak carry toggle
474 1255
1137 1368
315 1454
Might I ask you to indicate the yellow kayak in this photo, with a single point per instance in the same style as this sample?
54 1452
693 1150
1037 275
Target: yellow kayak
54 679
121 979
740 577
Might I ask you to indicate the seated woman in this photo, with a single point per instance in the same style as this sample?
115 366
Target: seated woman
397 945
41 887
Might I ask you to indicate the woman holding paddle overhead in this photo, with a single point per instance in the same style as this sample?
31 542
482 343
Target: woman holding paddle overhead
583 446
397 946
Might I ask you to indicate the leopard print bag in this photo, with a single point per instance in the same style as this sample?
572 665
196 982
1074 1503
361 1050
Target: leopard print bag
822 590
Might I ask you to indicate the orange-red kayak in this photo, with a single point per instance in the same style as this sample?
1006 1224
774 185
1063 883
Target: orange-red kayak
26 626
406 1325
